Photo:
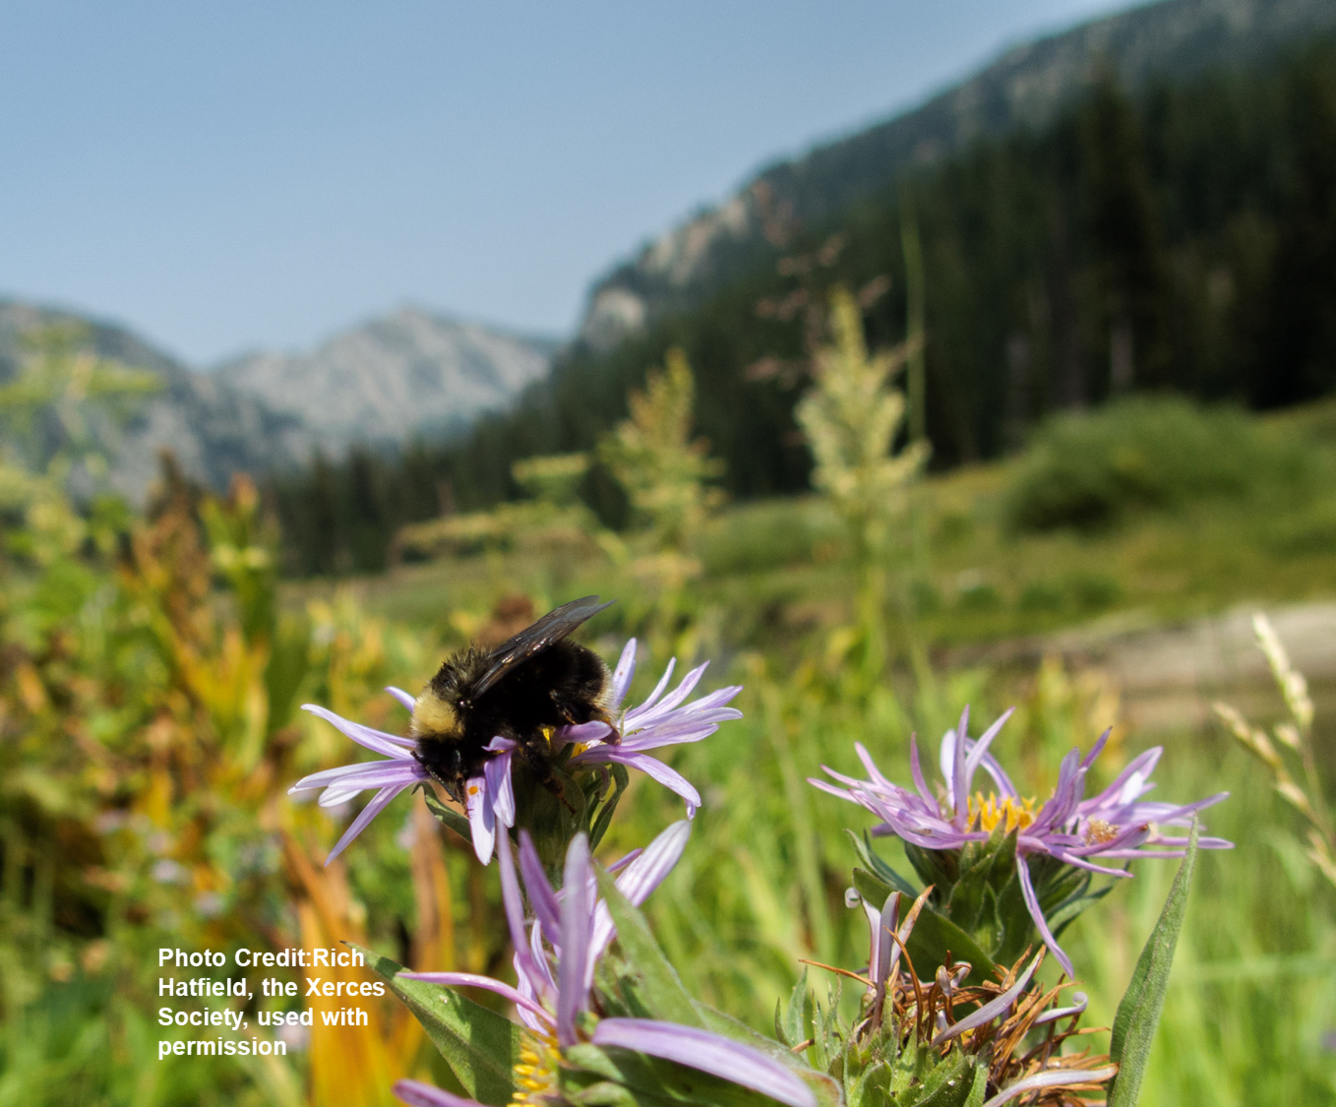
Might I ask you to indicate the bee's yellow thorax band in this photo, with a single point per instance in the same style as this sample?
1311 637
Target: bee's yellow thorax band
433 715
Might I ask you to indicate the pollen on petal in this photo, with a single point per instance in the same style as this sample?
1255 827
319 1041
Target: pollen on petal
1098 832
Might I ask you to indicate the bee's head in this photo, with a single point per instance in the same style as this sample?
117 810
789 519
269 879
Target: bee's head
435 716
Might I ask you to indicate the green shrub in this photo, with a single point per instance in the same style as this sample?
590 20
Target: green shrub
768 535
1096 592
1041 596
1091 470
979 597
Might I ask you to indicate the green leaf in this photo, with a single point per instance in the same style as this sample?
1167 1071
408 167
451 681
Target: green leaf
934 936
790 1029
871 887
1073 908
480 1046
980 1088
447 815
940 868
863 847
1139 1012
659 987
951 1083
621 781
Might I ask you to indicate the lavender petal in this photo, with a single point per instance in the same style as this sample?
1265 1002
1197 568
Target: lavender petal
344 773
621 676
512 900
473 980
1032 904
592 731
1097 749
653 696
378 804
980 747
645 873
541 896
376 774
651 767
388 745
1055 1078
1077 1008
500 791
417 1094
990 1010
405 700
482 819
577 905
916 768
959 783
699 1049
678 694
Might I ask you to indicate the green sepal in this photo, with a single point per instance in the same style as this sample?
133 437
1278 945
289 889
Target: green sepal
445 814
950 1084
879 1074
937 867
1139 1012
654 984
553 812
621 781
984 870
480 1046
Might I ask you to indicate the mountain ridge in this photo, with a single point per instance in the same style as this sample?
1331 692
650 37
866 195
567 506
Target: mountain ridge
1026 85
393 377
409 372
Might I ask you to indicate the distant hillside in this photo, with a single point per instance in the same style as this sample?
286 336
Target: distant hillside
1176 237
404 375
408 375
213 429
1027 87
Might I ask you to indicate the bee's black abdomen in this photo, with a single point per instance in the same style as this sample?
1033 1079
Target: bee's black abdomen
564 684
561 685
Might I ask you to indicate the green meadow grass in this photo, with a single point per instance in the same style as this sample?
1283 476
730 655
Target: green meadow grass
1253 996
778 570
761 888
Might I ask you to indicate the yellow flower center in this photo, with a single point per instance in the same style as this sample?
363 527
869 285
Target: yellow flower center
536 1074
1012 813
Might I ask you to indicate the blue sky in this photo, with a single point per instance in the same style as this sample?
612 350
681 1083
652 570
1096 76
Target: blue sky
227 176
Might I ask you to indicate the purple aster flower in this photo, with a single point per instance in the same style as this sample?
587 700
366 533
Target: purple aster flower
1116 825
490 797
554 965
997 1018
659 721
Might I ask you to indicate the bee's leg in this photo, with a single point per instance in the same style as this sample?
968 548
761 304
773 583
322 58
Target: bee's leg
614 738
536 758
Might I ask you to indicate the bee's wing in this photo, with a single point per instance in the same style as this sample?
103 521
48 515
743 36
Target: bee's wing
552 627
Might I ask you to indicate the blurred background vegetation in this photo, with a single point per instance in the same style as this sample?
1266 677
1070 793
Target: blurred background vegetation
1156 446
1182 238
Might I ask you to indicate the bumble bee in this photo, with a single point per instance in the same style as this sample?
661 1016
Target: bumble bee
522 690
